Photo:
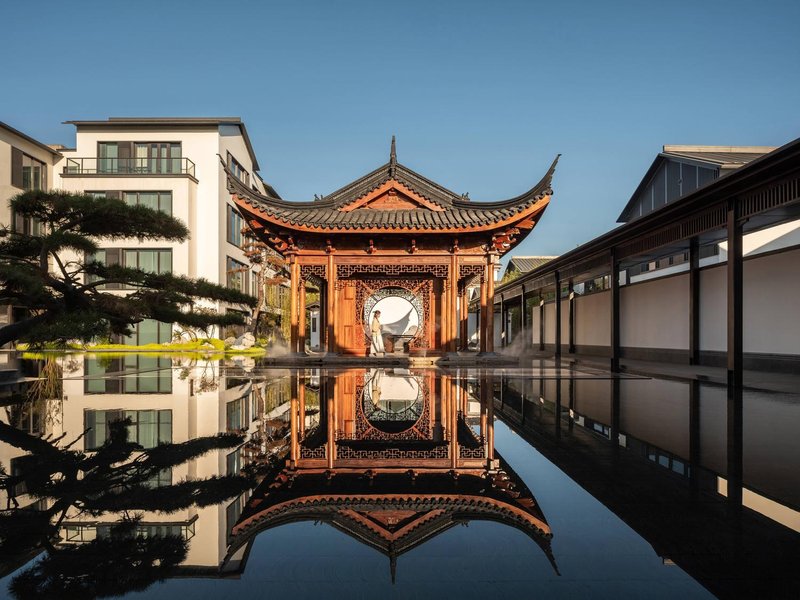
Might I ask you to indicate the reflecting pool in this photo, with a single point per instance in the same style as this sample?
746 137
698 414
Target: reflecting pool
155 476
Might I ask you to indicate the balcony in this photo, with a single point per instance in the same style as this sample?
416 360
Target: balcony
152 167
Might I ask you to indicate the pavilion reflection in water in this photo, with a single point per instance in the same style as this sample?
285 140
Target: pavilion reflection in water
393 458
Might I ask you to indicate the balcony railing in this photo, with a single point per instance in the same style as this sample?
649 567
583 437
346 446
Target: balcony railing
129 166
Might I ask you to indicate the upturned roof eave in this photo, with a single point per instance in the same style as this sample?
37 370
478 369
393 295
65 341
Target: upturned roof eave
535 209
333 200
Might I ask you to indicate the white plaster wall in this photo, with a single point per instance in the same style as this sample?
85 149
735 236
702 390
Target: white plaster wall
550 323
472 327
655 314
535 324
592 319
656 411
713 309
565 322
771 301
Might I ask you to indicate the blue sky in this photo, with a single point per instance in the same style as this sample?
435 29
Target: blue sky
481 95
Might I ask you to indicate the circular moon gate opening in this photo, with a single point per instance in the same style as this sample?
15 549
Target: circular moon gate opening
401 315
392 403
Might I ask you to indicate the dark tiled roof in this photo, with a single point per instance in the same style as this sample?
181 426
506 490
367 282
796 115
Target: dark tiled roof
726 159
455 211
523 264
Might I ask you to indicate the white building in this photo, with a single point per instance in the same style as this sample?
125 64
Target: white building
170 164
25 164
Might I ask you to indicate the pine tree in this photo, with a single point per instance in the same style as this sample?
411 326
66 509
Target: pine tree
65 290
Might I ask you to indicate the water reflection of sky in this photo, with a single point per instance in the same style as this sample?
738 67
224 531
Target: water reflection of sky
596 552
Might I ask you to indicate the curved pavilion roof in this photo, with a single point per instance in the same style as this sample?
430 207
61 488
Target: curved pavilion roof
418 204
391 512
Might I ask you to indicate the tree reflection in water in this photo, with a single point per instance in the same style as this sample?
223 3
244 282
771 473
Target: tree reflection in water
114 483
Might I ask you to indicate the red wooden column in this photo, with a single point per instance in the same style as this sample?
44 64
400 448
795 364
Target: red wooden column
294 284
483 313
330 298
452 315
452 394
301 408
294 453
301 315
489 303
330 387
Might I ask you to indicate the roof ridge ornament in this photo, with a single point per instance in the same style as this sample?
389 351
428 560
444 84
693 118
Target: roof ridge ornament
392 158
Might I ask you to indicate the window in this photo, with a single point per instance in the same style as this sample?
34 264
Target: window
234 415
27 173
132 374
233 462
238 170
235 225
149 331
156 200
139 157
235 274
147 427
153 261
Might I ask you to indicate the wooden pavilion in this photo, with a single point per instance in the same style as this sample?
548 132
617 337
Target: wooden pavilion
390 457
397 237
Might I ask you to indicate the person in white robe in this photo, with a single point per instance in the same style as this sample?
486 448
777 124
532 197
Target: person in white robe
376 347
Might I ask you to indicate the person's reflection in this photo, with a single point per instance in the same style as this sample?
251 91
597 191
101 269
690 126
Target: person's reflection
375 386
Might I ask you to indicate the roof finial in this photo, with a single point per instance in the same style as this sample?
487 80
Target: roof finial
392 158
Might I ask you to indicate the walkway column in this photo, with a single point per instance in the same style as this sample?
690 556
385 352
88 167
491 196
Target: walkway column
694 301
571 317
694 436
490 303
614 317
522 328
330 307
541 322
558 315
735 287
294 285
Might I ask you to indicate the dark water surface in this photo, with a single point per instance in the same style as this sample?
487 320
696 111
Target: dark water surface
551 481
